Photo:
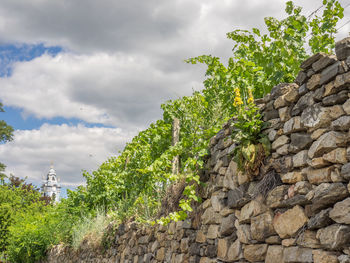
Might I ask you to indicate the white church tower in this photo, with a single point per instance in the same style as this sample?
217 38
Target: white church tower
51 186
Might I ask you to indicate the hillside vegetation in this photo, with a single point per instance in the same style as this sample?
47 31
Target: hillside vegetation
134 184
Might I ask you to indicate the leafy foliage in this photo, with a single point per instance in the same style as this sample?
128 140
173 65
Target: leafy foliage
15 197
6 135
36 230
134 183
261 61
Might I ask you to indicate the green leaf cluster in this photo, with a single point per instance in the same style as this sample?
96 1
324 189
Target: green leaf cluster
134 183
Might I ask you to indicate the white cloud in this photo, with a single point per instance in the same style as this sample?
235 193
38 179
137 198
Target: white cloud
123 91
71 148
123 59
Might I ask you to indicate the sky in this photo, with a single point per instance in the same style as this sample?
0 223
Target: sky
80 78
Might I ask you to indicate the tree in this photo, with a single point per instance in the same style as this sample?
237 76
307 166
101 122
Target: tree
16 196
6 133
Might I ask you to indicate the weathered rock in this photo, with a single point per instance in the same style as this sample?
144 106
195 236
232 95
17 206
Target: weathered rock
184 244
303 89
299 141
261 226
292 95
284 113
318 95
272 134
280 102
294 200
301 78
318 163
234 251
222 170
319 220
211 251
226 211
274 254
308 63
273 240
316 116
211 217
288 242
308 239
194 249
334 99
218 165
346 106
217 201
342 48
270 114
321 256
230 175
329 73
255 253
253 208
223 246
342 81
280 141
288 223
160 254
276 196
302 187
330 89
326 143
293 125
200 237
292 177
327 194
341 212
282 164
336 156
334 237
300 159
323 62
304 102
213 232
318 176
296 254
283 150
314 82
202 260
227 226
344 259
317 133
345 171
243 233
342 123
335 175
236 198
243 178
282 89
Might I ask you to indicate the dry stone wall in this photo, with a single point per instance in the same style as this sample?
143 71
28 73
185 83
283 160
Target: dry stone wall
296 210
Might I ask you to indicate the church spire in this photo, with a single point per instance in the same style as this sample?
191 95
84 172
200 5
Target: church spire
51 187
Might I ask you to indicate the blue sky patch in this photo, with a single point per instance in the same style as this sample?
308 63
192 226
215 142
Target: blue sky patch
13 117
22 52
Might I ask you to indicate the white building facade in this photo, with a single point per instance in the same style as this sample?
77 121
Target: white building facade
51 186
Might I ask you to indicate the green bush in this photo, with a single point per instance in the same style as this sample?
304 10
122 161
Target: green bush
36 230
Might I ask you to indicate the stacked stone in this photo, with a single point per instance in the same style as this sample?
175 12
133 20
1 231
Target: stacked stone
309 131
305 217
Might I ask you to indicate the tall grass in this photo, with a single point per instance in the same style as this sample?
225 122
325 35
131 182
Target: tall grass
90 228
